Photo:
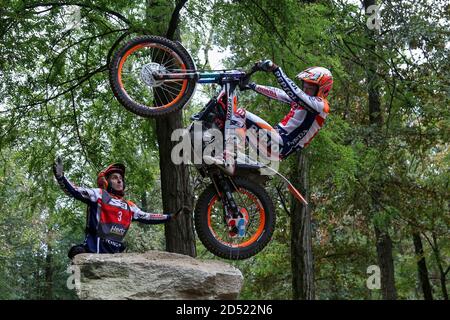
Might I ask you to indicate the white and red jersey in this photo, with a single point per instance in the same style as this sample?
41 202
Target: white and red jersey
108 217
305 118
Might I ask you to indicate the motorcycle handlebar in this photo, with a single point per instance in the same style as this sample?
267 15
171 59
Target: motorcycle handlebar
244 82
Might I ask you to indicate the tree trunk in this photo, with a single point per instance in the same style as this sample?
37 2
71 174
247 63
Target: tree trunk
424 280
175 187
383 240
48 291
144 205
302 261
442 273
386 264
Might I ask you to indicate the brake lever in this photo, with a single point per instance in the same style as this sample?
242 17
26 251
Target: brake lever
244 82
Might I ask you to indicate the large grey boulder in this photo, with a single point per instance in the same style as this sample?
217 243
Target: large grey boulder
154 275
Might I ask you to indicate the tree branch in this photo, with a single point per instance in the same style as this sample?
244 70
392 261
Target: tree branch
174 20
77 127
114 46
82 79
79 4
283 41
446 270
76 43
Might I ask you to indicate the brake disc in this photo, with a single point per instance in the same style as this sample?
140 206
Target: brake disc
147 72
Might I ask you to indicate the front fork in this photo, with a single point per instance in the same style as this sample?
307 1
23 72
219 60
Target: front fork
235 218
224 189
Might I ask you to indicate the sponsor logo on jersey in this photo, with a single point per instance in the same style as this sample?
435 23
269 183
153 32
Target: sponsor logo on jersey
286 86
267 92
297 138
314 99
118 203
118 230
113 243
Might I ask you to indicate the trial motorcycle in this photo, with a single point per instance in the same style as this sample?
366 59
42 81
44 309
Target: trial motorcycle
234 216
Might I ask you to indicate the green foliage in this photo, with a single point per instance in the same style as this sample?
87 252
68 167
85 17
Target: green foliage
56 100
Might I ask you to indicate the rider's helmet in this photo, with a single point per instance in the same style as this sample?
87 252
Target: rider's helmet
319 76
102 178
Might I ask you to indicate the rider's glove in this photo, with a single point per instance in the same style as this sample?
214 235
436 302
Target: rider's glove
244 87
248 86
58 168
266 65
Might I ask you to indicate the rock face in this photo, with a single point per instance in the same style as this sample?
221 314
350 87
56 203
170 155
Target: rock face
154 275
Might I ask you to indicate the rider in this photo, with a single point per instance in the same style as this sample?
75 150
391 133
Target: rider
309 104
108 214
309 108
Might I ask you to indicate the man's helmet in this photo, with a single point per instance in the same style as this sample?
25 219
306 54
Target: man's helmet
102 178
319 76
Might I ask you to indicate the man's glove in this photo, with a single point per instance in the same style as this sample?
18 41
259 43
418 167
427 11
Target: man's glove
266 65
58 168
244 86
248 86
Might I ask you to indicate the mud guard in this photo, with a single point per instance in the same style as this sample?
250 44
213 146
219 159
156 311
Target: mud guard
291 188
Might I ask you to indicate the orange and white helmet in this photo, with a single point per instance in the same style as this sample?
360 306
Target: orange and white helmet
319 76
102 177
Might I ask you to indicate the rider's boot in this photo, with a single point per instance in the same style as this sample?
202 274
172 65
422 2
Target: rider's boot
234 145
77 249
226 163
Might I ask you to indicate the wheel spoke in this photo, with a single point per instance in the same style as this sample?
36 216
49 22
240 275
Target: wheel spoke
171 90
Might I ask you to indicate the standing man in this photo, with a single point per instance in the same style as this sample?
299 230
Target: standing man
109 214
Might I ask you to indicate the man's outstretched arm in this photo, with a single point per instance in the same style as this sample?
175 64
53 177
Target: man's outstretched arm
86 195
312 104
271 92
153 218
147 217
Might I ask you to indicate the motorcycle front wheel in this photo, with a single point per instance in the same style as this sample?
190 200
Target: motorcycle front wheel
132 82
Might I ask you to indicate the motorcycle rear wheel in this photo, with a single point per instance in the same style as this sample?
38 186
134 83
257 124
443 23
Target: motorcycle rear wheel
213 231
